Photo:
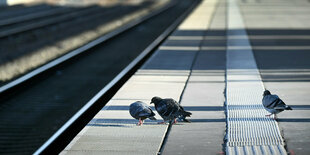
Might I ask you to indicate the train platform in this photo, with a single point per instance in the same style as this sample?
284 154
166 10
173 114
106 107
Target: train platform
217 64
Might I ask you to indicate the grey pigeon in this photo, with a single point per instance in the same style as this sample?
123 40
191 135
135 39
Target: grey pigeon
141 111
169 109
273 104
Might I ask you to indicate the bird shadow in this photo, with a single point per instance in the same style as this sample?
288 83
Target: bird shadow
125 123
300 107
293 120
109 125
188 108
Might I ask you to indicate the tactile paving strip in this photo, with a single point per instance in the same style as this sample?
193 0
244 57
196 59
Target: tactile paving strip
248 124
249 131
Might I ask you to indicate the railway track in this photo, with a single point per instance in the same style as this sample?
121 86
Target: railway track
51 104
20 24
58 35
34 15
18 10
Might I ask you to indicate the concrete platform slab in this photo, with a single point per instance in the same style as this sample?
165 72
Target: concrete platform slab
280 31
113 130
192 61
203 97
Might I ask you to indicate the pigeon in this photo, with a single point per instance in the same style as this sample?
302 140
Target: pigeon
273 104
141 111
169 109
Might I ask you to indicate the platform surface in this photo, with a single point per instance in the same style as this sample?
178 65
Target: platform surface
191 67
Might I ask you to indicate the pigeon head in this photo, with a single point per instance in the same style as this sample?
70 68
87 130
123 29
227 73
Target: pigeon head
266 92
155 100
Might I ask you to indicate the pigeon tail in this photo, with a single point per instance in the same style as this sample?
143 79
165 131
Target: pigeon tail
183 119
288 108
186 114
186 120
152 118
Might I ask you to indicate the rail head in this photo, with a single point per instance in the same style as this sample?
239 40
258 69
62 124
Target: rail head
66 133
11 86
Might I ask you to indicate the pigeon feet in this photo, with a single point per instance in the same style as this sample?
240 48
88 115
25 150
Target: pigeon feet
291 152
140 122
175 121
274 116
268 115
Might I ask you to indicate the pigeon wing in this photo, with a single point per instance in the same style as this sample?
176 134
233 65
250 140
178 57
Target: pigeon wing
135 109
270 101
165 108
162 109
280 105
139 109
146 112
174 108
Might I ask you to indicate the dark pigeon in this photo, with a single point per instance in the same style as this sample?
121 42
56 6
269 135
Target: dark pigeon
273 104
169 109
141 111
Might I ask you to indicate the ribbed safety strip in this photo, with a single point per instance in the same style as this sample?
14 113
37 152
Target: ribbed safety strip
249 131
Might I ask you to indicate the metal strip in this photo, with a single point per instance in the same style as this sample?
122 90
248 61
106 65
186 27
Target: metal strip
248 130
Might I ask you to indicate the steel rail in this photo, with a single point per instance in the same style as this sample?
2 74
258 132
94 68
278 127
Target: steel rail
11 86
8 11
34 15
46 22
66 133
